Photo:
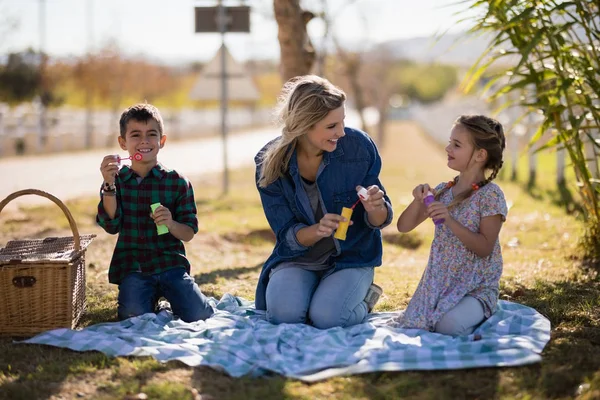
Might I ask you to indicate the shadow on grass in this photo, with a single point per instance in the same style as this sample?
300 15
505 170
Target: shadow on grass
561 196
258 236
573 354
215 385
411 241
37 372
225 273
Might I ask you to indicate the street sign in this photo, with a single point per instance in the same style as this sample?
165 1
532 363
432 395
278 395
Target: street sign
237 19
222 19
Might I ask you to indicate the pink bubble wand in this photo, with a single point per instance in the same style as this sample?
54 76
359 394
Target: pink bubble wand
136 157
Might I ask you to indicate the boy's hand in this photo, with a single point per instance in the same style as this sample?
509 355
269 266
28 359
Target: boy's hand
420 192
375 200
162 216
109 168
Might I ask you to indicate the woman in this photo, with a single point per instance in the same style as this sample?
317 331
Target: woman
304 178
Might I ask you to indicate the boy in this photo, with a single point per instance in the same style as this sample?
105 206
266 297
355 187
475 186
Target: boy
147 265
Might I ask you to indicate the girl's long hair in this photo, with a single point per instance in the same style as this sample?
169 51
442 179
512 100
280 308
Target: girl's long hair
304 101
488 134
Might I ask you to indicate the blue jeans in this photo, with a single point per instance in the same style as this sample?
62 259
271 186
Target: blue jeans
295 295
138 294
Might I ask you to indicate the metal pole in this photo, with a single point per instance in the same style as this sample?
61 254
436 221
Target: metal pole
42 116
223 28
89 113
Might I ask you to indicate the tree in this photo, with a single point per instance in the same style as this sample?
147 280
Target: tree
20 78
555 58
297 52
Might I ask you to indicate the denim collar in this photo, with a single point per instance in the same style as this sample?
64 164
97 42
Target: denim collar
158 171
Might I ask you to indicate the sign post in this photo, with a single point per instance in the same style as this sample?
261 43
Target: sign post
223 19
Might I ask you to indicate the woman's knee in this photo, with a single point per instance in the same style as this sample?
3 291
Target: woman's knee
288 295
286 313
325 316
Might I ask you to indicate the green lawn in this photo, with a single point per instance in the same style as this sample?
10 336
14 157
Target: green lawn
541 270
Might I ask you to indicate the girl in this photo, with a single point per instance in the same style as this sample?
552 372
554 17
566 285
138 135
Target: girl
459 288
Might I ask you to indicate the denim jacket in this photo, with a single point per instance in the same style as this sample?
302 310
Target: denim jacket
354 162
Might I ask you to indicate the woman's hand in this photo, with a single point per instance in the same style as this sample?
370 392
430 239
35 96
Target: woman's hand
375 201
420 192
328 224
438 210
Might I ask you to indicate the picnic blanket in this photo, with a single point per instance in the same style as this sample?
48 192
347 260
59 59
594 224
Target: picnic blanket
239 341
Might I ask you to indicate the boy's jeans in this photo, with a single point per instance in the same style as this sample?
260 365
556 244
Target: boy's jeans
138 294
295 295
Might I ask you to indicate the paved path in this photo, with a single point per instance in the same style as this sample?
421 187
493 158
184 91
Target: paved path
72 175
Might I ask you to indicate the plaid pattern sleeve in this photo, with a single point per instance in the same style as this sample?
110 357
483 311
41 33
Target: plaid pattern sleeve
139 248
111 226
185 208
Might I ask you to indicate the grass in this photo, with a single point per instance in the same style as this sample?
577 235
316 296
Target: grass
541 270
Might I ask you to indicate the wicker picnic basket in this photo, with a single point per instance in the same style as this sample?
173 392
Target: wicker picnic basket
42 281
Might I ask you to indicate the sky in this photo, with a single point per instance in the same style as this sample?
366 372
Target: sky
164 29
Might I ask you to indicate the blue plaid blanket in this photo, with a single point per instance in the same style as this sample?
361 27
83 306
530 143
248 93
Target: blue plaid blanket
238 341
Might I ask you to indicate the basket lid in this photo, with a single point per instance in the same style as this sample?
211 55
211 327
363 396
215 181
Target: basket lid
51 249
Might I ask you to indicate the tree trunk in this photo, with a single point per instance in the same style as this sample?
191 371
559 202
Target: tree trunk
531 129
297 52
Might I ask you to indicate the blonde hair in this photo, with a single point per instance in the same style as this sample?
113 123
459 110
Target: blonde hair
304 101
485 133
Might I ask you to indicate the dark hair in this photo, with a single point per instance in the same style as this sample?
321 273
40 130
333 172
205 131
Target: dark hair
485 133
142 113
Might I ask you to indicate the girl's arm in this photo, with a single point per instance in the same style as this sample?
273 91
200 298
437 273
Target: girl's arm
493 213
416 212
482 242
412 216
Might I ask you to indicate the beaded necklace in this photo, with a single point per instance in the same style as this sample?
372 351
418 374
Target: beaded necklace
474 185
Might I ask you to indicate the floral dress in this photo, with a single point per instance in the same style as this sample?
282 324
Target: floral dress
453 271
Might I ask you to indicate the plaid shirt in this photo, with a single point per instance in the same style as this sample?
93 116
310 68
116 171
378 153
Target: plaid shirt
139 248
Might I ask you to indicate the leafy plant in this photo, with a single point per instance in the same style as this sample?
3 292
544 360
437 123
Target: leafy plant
553 50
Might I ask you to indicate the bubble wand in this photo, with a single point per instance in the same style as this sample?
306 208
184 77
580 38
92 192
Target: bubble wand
136 157
342 229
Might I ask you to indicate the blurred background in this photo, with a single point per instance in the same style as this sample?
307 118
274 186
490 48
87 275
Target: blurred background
69 67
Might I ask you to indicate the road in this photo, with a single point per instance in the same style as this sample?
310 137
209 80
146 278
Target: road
71 175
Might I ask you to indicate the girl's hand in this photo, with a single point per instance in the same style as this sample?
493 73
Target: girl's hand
109 168
420 192
328 224
162 216
376 201
438 210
